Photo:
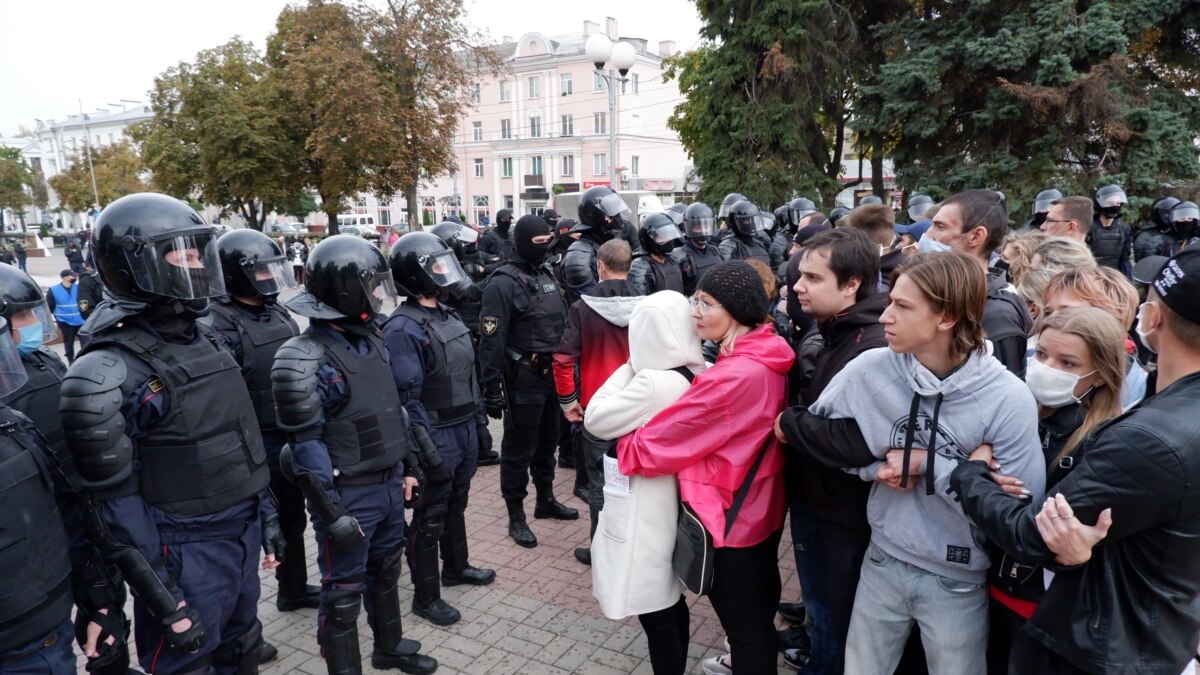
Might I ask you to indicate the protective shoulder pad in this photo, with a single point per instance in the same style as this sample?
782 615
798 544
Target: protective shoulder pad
92 422
294 383
577 265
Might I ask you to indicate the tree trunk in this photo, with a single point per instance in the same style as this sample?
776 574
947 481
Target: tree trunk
331 213
414 208
877 165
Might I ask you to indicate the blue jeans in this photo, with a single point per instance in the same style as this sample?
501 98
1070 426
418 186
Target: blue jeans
824 658
892 595
49 655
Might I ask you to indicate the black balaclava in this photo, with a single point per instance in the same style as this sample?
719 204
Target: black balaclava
502 226
527 228
175 320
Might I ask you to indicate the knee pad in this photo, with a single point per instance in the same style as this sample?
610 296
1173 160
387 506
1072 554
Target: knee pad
386 570
342 607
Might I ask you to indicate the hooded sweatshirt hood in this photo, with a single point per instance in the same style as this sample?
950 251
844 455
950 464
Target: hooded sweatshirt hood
662 334
613 300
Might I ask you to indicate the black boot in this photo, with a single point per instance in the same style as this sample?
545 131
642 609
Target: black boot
391 649
456 568
518 529
549 507
309 598
427 594
584 555
339 635
488 458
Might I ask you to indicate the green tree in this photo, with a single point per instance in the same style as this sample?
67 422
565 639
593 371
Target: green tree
118 170
217 136
16 181
299 205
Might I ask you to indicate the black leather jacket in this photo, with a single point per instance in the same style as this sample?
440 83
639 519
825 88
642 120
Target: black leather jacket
1135 606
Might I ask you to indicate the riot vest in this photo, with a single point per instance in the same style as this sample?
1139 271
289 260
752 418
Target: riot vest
1106 242
539 311
260 340
38 398
35 589
206 453
448 392
365 433
657 276
735 248
694 262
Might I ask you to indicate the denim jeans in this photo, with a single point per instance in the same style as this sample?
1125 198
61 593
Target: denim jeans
892 595
824 658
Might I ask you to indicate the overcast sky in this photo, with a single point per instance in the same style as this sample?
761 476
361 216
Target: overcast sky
56 53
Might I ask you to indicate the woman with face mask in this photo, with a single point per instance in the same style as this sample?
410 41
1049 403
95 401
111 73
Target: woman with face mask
1076 375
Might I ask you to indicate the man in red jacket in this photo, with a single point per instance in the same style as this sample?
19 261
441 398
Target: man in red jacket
594 344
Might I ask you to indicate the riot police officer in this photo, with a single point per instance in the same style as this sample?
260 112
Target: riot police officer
1185 219
254 326
465 299
1110 238
23 305
1157 236
348 451
433 366
653 269
697 255
523 320
837 214
600 209
163 432
496 244
870 199
795 210
744 219
918 206
1041 206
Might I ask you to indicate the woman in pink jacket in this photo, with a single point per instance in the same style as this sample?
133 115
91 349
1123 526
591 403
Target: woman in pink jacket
710 438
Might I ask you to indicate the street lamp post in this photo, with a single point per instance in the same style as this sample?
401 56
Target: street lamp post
622 55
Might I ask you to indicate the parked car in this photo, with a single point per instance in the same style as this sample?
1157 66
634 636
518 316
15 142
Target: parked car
283 228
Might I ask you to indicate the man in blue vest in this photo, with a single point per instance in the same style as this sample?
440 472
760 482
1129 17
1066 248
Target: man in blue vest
64 302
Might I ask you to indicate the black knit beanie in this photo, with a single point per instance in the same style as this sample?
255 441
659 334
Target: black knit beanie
739 289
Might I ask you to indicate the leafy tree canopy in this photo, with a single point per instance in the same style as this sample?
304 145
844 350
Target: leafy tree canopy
118 169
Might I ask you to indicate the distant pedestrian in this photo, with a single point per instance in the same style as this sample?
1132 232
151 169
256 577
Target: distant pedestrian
19 250
6 256
74 257
64 303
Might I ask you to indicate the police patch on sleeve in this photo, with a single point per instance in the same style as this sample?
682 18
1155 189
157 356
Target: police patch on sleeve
154 385
490 324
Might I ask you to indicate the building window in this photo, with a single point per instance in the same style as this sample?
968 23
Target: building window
506 167
634 164
597 81
361 202
475 94
535 165
568 165
506 129
385 202
508 201
535 86
635 83
385 217
505 90
478 168
535 127
599 164
566 84
477 131
568 125
599 125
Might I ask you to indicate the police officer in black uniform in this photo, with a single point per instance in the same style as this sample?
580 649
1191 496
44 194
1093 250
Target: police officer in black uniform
466 299
795 210
163 432
496 244
837 214
697 255
743 219
1110 238
23 305
1158 236
433 366
1041 206
254 326
524 315
653 269
348 451
600 211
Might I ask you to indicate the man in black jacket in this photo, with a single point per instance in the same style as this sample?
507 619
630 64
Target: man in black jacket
839 271
1132 606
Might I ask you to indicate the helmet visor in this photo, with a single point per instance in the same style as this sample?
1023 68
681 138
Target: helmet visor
182 265
701 227
612 204
1043 205
917 211
665 233
1183 213
380 292
1115 198
467 235
797 214
270 276
764 221
12 373
443 269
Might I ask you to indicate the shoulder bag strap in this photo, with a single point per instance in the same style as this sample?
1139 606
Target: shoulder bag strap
740 497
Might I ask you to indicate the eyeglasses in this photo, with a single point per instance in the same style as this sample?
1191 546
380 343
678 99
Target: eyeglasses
1057 221
700 305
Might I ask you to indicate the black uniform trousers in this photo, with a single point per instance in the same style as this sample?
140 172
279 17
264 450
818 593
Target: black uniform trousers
530 431
292 573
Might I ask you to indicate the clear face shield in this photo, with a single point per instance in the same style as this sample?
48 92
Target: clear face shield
1113 199
183 266
381 291
270 276
701 227
764 221
443 268
24 317
466 235
667 237
612 205
798 214
1043 205
1184 213
12 373
918 211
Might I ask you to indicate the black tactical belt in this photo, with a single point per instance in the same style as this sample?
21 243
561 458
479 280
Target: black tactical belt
373 478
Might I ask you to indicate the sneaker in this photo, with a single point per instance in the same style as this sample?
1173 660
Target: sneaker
794 659
794 637
718 665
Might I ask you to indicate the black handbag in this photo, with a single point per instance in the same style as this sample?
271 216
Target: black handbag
693 555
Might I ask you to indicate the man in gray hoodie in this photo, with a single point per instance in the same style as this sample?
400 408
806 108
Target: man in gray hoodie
934 387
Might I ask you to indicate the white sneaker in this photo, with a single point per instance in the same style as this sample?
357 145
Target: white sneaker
718 665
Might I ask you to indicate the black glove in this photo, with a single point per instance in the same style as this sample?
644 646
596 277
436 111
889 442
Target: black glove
344 533
189 641
485 437
494 403
272 538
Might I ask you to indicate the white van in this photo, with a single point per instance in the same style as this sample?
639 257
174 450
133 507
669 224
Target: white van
356 219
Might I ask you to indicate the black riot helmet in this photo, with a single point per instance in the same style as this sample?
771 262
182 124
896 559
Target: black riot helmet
457 236
837 214
347 279
800 207
1184 218
1110 199
782 216
423 265
20 293
698 222
727 203
154 248
678 209
870 199
743 218
1044 200
1160 213
659 234
599 207
918 206
503 221
254 265
529 228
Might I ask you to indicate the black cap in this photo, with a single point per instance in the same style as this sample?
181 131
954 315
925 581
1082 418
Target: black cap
66 273
809 231
1176 280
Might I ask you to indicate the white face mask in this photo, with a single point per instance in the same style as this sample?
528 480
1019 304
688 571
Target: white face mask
1137 328
930 245
1051 387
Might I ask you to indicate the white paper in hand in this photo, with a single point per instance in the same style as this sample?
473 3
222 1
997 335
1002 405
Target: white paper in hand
613 478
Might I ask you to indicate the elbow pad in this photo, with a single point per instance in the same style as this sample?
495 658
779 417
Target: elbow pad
92 422
294 383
